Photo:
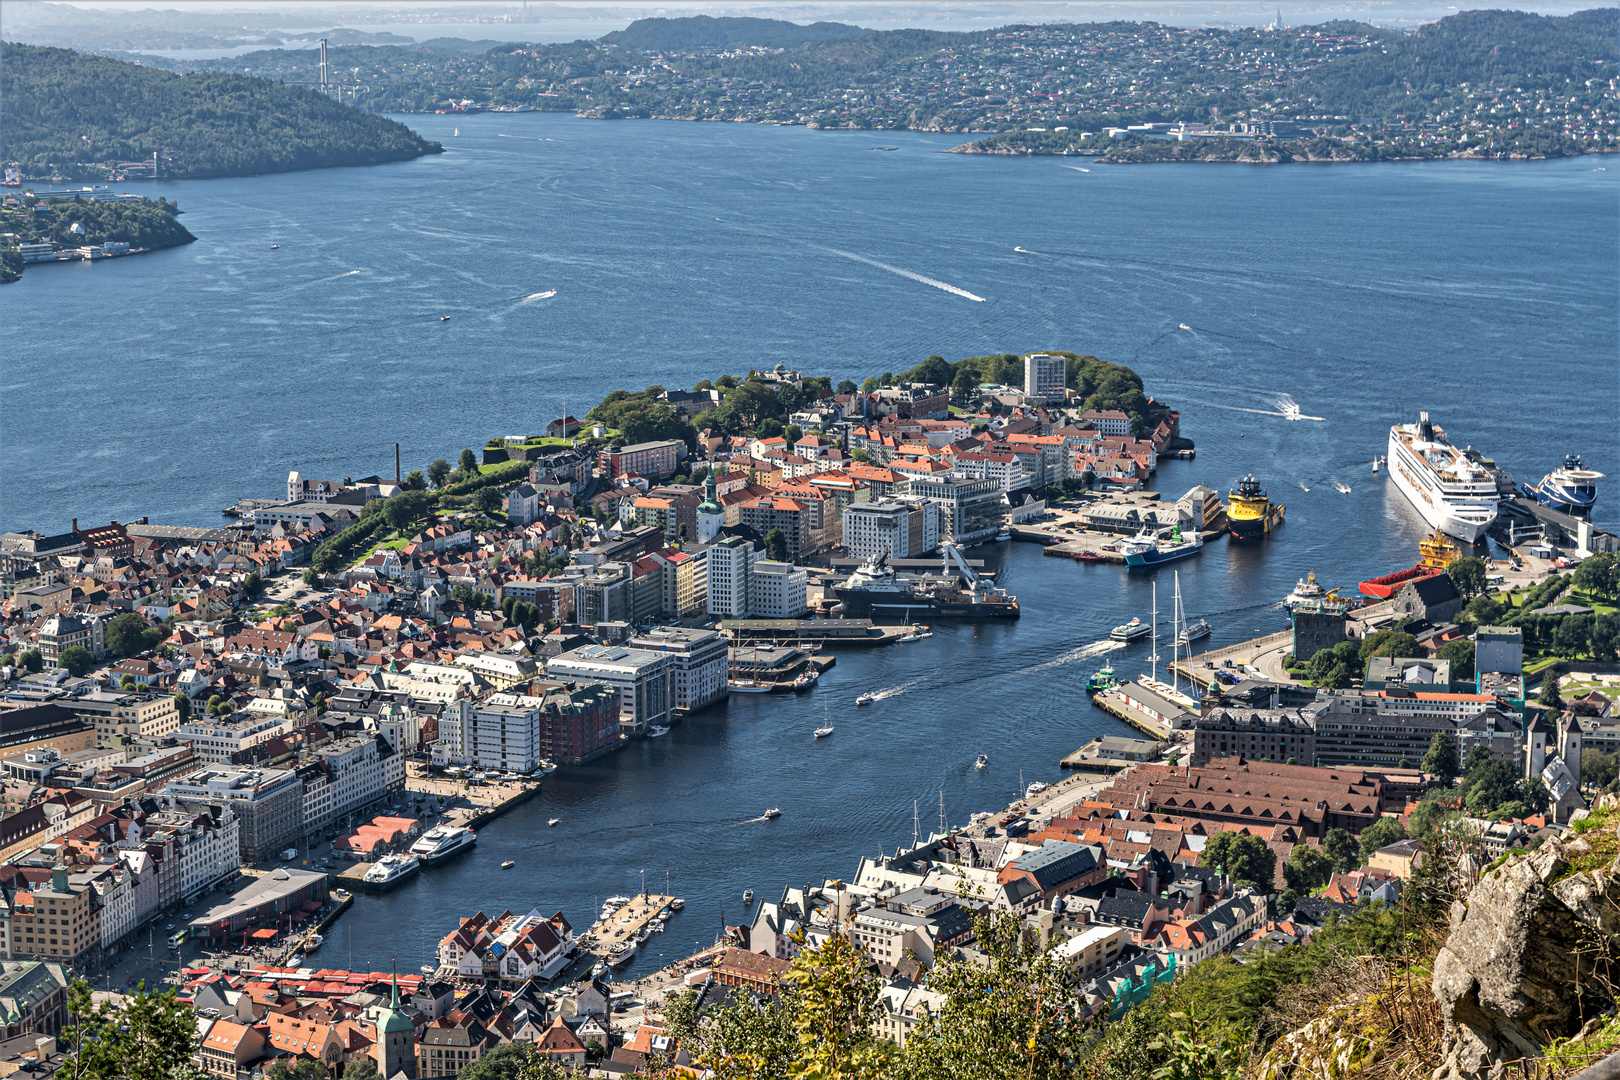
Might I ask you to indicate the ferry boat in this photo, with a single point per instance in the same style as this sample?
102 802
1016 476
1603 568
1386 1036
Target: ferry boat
1307 589
1455 493
1135 630
984 759
1102 679
1571 488
443 842
390 870
1147 549
1193 632
823 732
1250 513
875 592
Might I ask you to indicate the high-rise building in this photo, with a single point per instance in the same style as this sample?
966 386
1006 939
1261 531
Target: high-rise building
1045 376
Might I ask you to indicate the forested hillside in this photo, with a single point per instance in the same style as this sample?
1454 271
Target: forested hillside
75 115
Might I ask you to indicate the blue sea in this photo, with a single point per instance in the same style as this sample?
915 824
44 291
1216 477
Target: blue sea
171 385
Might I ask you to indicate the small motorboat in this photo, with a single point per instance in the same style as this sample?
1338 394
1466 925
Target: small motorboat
599 970
823 732
984 759
642 935
910 637
1184 326
313 942
1003 536
656 731
1089 556
428 969
553 822
444 318
676 904
772 814
508 864
275 247
1034 789
805 681
866 699
748 897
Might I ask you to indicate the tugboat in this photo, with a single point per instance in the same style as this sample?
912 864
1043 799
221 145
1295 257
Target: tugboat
1250 514
1102 680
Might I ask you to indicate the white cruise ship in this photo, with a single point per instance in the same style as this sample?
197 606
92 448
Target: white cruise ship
1455 495
439 844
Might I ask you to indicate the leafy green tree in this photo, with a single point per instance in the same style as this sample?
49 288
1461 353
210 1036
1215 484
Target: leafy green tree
1241 857
1307 868
1468 574
415 481
768 428
468 463
1605 640
127 682
1599 575
1341 849
793 433
1429 815
182 706
76 661
439 473
1599 769
776 545
845 386
964 384
506 1062
361 1069
1489 786
126 634
487 500
1441 757
1381 833
1461 655
869 385
253 584
1393 643
150 1037
1483 610
932 370
1573 635
1327 669
860 454
1550 695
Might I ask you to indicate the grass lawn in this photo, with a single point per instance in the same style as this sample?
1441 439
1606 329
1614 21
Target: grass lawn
1599 607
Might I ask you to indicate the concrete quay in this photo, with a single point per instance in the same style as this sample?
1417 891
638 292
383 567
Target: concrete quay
1111 703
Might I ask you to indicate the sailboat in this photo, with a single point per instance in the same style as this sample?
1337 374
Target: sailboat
751 685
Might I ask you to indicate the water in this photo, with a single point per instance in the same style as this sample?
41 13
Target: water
175 383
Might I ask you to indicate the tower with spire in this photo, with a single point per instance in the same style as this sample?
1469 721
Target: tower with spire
710 514
395 1048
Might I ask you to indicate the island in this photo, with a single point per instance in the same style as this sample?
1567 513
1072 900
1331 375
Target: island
68 116
93 223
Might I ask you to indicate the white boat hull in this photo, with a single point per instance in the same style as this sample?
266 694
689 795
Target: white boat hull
1438 513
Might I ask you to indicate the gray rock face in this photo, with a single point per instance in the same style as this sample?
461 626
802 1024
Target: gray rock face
1516 971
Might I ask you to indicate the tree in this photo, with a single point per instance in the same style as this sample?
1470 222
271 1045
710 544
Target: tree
1483 610
1599 769
182 706
1329 668
1429 815
468 463
414 481
1532 792
776 545
860 454
1468 574
1599 575
439 473
76 661
845 386
964 385
151 1037
1307 868
405 508
1490 785
32 659
126 634
768 428
1240 857
127 682
793 433
1550 695
869 385
1393 643
362 1069
1381 833
1461 655
1573 636
1340 847
505 1062
487 500
253 584
1605 637
1441 758
932 370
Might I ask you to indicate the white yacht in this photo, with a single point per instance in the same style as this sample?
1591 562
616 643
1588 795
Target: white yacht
1453 492
439 844
390 870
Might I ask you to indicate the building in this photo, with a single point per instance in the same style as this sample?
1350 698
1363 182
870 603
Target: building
1107 421
790 516
347 775
33 998
1392 728
894 528
263 902
43 727
1256 793
64 631
228 1048
969 510
267 803
1256 734
777 590
1499 649
655 460
58 922
505 734
1316 625
1056 868
123 717
700 662
579 724
218 739
1045 377
1093 951
644 679
731 562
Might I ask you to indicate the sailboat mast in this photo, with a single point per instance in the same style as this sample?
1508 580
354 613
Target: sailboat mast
1175 628
1153 660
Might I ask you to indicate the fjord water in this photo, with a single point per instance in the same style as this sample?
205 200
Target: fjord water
175 383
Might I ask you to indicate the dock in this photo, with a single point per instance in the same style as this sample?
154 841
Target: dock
1111 754
826 633
625 923
1112 703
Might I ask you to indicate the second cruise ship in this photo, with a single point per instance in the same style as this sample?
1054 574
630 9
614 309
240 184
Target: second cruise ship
1454 493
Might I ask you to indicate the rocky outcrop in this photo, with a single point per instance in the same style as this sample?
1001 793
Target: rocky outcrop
1522 964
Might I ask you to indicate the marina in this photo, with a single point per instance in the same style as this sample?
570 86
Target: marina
619 930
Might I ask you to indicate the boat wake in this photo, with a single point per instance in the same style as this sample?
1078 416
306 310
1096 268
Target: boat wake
1342 489
1025 251
1076 168
894 691
914 276
1084 652
547 295
1289 409
1303 486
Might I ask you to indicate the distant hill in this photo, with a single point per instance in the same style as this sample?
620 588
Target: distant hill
77 114
707 32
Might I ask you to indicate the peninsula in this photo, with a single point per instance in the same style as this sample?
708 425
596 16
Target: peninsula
87 223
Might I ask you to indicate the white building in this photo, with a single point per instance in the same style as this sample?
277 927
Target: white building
644 679
345 776
505 733
216 739
701 659
1045 376
777 590
898 528
731 568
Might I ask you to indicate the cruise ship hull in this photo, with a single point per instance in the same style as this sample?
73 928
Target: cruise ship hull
1436 513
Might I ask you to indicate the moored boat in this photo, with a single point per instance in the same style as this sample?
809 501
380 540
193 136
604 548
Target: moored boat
1452 489
1102 679
823 732
439 844
390 870
1250 513
1307 589
1147 549
1571 488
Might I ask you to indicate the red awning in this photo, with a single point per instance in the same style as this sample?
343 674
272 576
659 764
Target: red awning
262 935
